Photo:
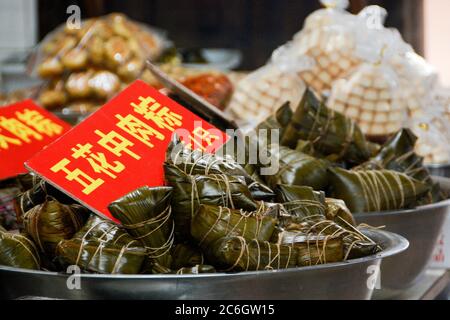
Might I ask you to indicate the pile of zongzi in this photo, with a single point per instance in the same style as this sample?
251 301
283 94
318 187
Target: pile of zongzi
217 214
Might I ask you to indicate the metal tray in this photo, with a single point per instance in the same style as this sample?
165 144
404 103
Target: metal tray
346 280
422 227
441 170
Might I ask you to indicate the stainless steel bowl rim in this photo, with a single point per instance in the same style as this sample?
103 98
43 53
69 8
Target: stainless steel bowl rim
416 210
437 165
400 244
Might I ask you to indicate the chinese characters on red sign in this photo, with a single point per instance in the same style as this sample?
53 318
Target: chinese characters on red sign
121 147
25 129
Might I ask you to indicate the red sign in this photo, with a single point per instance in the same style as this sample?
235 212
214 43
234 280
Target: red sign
121 147
25 129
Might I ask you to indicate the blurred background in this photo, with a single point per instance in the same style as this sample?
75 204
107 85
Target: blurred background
254 27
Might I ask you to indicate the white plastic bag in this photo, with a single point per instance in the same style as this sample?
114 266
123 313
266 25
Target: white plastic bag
328 40
262 92
430 124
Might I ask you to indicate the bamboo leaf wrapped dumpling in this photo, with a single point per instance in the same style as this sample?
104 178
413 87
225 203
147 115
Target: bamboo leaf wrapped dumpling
338 212
238 254
331 133
189 191
195 162
102 247
278 121
27 200
185 255
18 251
313 249
26 181
302 201
398 154
50 222
297 168
146 214
211 223
376 190
306 212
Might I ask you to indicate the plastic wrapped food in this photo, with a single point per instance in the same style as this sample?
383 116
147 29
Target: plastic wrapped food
430 125
107 42
7 98
373 94
367 71
260 93
322 52
417 79
369 97
93 63
434 137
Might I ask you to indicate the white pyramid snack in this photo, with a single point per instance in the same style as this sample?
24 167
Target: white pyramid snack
262 92
369 97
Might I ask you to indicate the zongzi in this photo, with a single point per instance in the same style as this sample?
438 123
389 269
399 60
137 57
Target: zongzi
18 251
301 201
376 190
278 121
195 162
102 247
306 211
297 168
338 212
331 133
26 181
189 191
50 222
313 249
238 254
211 223
146 214
37 195
185 255
398 154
